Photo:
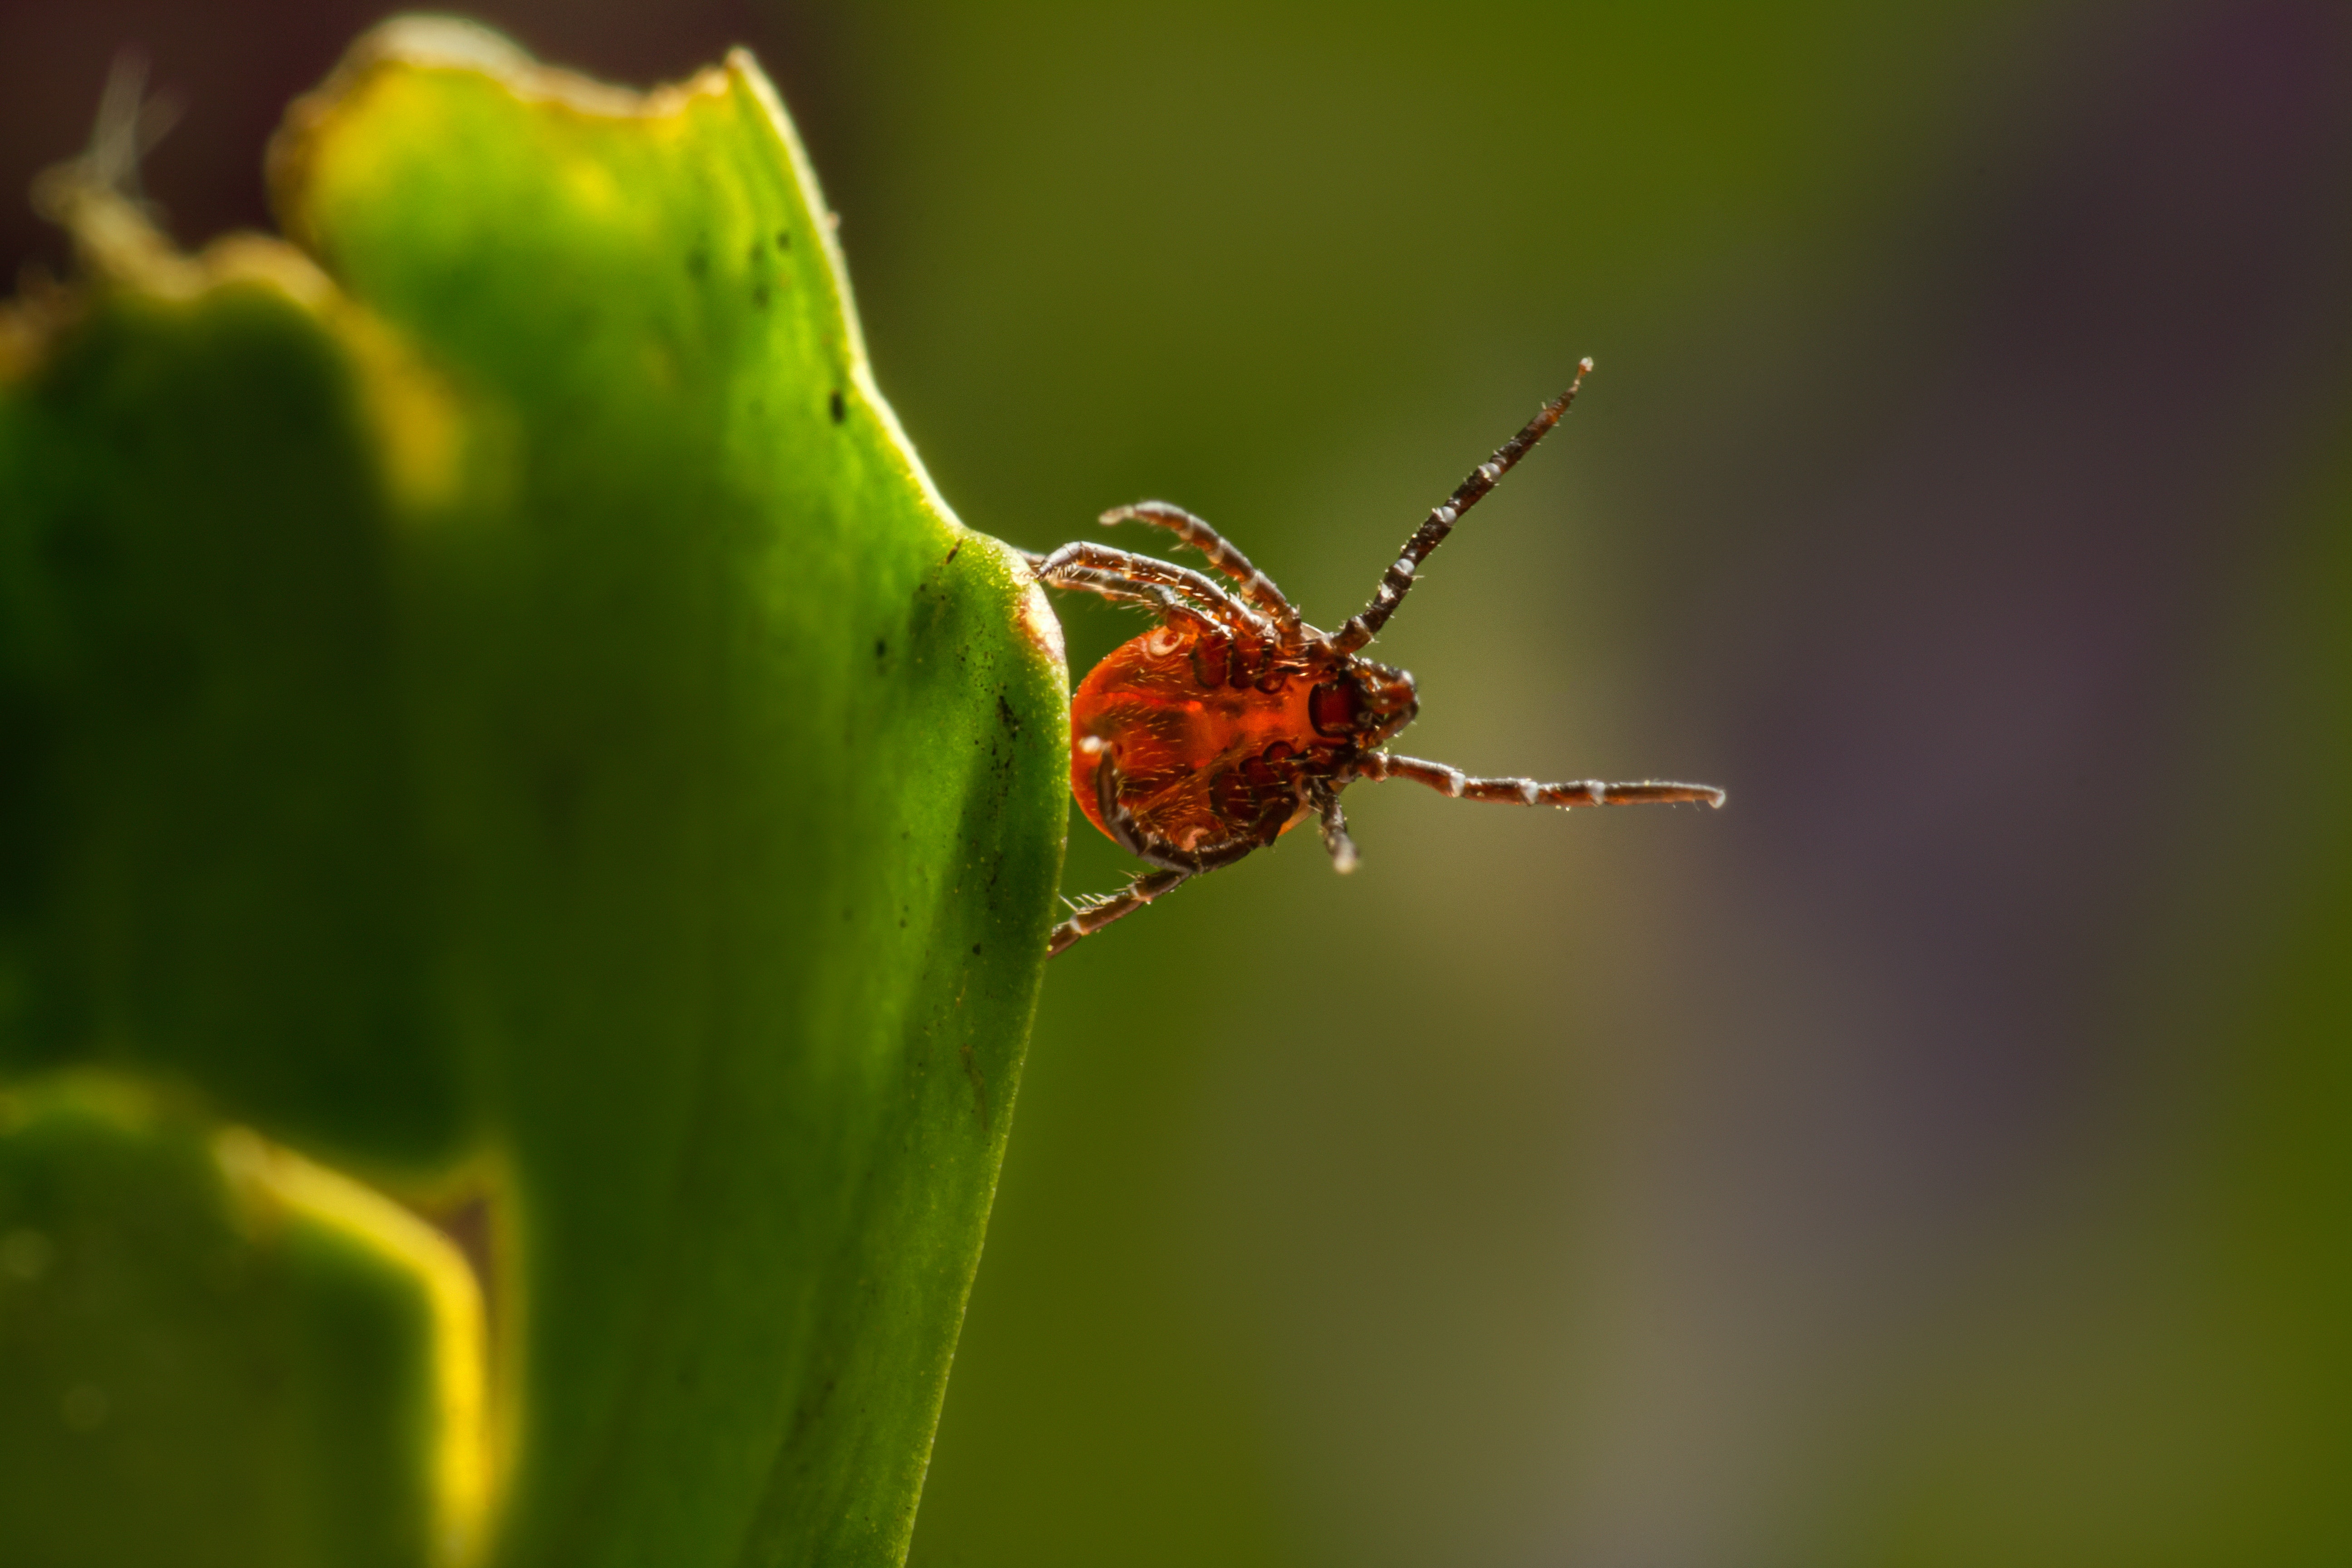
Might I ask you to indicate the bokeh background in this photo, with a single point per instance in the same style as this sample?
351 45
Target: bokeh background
1941 1155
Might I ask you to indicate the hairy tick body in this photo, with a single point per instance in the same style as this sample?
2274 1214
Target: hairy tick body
1233 720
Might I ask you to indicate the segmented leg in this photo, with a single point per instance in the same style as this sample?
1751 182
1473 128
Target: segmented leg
1454 782
1397 581
1171 610
1096 913
1103 561
1252 585
1119 822
1341 848
1171 870
1128 833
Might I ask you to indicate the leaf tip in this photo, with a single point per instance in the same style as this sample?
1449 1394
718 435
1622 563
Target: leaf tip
1040 627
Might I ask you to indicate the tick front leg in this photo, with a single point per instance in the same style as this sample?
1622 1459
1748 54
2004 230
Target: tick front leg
1096 913
1454 782
1398 580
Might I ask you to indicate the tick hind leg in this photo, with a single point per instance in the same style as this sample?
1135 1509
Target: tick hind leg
1171 870
1096 913
1252 583
1459 785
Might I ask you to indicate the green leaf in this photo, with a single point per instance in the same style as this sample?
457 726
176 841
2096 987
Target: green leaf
501 712
158 1273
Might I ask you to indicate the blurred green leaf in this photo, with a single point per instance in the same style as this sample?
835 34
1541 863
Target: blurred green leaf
501 712
214 1353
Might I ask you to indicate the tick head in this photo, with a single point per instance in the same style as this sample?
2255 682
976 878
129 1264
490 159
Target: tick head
1388 702
1363 703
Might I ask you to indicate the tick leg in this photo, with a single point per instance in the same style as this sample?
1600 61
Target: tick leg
1128 833
1101 561
1124 830
1171 610
1342 849
1096 913
1527 792
1397 581
1110 585
1169 870
1254 584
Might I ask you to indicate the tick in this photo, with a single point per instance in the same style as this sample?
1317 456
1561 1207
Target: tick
1233 720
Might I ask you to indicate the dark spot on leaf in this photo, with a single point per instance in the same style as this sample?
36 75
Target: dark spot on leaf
978 1084
881 648
808 1413
698 264
952 555
840 408
1005 716
758 249
975 950
783 239
760 296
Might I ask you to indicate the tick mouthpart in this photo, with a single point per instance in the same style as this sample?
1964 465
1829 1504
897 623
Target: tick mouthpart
1388 692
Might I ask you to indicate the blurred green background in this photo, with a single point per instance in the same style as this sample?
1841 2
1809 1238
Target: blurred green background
1943 1154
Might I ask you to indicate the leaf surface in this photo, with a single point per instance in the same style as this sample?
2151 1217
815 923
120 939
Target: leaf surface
501 712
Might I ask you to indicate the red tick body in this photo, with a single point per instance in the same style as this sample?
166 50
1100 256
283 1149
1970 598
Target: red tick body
1216 739
1233 720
